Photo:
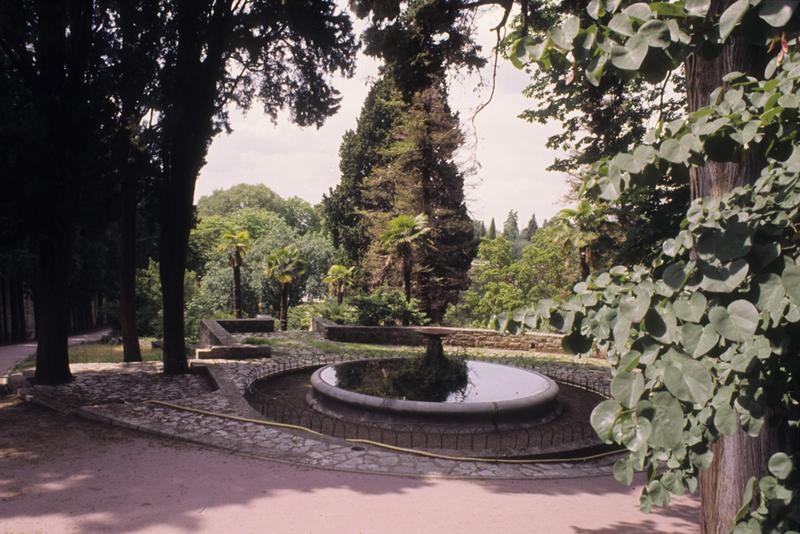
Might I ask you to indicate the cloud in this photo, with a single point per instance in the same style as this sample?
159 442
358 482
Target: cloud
305 161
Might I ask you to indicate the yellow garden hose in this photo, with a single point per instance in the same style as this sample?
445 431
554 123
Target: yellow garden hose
384 445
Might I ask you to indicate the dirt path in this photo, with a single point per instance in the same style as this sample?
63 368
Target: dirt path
61 474
11 354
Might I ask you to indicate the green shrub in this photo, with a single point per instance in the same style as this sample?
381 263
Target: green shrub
300 316
385 307
199 304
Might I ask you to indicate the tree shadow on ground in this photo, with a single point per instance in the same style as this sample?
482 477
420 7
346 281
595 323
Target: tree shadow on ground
687 514
56 469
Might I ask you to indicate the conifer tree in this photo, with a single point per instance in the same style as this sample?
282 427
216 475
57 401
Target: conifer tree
530 229
511 226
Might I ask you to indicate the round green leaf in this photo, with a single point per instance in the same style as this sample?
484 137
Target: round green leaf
777 12
697 8
635 438
791 281
603 418
725 420
675 275
698 340
623 471
690 381
661 324
631 56
627 387
770 293
621 23
734 243
593 9
724 279
639 10
657 33
667 421
692 309
737 322
780 465
634 308
563 35
672 151
731 17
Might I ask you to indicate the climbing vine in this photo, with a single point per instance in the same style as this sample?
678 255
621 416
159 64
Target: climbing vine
706 339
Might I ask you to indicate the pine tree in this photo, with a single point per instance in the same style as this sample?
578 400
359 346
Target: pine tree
492 230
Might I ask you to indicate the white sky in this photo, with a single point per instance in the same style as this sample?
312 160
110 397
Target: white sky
305 161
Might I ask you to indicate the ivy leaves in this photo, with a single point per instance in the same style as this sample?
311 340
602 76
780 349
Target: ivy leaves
649 39
699 340
777 13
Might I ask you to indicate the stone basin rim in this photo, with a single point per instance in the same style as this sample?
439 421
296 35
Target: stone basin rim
542 401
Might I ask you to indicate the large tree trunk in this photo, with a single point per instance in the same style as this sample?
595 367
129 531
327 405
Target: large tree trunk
190 87
127 269
52 329
737 457
175 224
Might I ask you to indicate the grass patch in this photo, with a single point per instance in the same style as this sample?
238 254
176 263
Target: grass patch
363 350
257 341
95 353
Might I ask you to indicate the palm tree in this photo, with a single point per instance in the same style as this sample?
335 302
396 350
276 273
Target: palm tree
285 267
339 278
580 228
236 243
402 236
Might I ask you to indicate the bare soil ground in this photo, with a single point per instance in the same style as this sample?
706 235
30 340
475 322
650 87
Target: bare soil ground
62 474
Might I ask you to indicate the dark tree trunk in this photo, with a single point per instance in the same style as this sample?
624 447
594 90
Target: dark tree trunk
176 222
237 284
63 136
127 268
339 296
408 271
52 356
190 87
584 254
283 313
737 457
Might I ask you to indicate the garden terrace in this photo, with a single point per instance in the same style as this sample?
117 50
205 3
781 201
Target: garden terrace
457 337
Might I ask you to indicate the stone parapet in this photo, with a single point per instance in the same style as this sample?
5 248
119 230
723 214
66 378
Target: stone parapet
261 324
218 343
458 337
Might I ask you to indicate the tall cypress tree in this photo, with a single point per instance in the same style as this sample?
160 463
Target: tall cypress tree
511 226
492 230
530 229
361 150
421 177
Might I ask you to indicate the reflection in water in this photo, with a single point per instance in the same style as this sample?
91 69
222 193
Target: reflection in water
422 379
410 379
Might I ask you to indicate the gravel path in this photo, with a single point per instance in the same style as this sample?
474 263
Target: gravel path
63 474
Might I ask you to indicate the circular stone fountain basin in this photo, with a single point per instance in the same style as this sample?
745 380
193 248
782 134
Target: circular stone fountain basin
496 394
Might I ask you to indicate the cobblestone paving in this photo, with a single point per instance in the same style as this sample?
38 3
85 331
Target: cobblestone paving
117 394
